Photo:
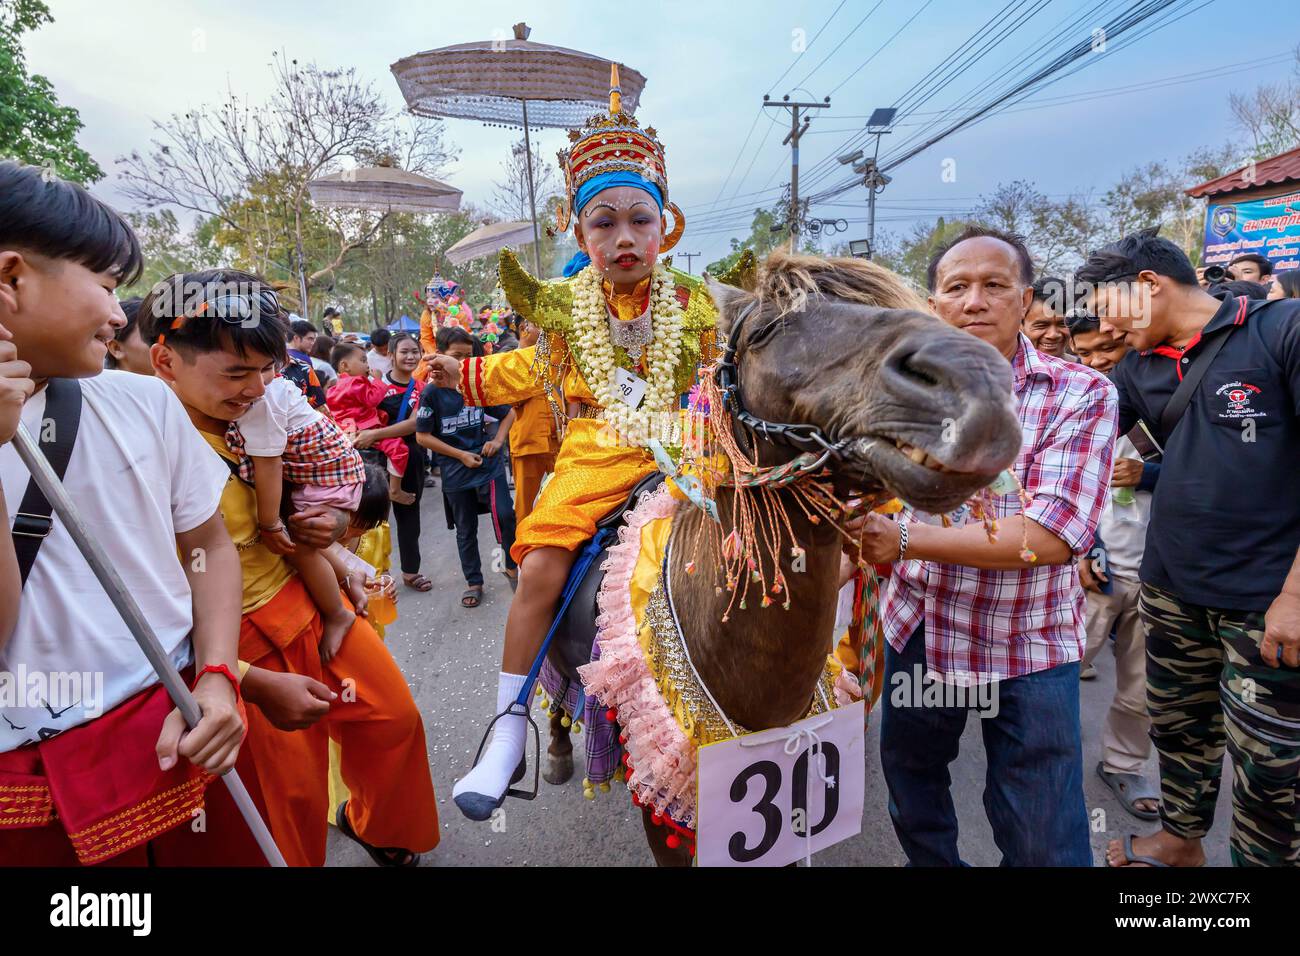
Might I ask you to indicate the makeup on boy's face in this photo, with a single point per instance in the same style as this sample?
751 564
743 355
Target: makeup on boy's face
460 351
622 230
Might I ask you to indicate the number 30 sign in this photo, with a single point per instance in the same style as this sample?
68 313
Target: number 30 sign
764 796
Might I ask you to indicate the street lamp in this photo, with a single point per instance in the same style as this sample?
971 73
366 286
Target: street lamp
878 124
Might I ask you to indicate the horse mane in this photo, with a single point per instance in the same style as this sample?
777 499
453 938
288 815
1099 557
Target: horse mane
787 279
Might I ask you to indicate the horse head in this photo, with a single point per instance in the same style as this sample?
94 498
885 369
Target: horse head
843 351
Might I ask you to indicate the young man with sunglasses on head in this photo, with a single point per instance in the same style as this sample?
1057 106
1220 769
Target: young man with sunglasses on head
1218 384
113 775
217 349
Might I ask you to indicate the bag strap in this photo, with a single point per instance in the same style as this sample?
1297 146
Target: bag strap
1182 396
234 469
32 523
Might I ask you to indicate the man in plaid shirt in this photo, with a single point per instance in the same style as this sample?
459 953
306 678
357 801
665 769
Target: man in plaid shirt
970 620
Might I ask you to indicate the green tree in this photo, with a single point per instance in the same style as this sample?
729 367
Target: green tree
168 249
34 128
909 255
767 230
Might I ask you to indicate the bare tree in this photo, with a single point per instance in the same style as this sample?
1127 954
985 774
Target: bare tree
510 198
248 165
1270 114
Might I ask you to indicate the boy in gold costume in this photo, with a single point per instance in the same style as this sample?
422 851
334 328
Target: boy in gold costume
622 338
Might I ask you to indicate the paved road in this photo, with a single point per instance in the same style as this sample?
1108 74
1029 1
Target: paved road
451 656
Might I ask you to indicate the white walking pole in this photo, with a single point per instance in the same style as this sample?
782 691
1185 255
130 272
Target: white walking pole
57 495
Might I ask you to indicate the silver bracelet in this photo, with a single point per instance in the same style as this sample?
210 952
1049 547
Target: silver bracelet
902 538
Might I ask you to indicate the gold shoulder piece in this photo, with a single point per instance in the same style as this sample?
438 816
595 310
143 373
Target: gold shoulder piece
744 274
520 286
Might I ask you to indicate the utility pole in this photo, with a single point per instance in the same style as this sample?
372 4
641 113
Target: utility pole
796 132
689 257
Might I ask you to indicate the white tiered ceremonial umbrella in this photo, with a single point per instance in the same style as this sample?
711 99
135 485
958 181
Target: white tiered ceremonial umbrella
512 82
491 238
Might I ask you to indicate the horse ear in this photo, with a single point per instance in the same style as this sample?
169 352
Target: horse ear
728 299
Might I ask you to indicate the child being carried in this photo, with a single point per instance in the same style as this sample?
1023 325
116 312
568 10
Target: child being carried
282 439
354 401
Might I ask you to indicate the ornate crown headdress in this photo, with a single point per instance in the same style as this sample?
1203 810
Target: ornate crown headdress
615 142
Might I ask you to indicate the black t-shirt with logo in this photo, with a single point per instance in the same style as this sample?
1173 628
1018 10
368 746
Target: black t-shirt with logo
1225 516
444 414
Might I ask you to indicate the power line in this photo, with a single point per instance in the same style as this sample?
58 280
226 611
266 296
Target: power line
741 152
911 97
882 46
1115 28
1080 49
772 86
840 44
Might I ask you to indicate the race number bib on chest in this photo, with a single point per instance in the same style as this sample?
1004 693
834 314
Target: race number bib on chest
771 798
629 388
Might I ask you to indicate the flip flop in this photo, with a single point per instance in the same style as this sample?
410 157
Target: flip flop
472 597
1131 857
417 582
1129 788
383 855
513 579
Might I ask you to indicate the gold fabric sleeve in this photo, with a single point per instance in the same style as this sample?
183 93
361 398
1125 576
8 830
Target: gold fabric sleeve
503 379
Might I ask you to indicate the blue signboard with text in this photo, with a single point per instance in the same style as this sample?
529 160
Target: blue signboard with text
1269 227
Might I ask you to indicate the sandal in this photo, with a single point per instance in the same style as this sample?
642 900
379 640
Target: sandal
382 855
513 579
1130 857
417 582
1129 788
472 597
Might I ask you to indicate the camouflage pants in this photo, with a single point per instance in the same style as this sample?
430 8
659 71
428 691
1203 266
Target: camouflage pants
1207 688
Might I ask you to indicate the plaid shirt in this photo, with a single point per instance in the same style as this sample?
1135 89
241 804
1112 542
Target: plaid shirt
992 625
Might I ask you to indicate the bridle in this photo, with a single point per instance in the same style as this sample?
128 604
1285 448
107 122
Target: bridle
802 437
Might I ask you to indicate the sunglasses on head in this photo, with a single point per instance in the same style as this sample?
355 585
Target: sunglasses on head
231 308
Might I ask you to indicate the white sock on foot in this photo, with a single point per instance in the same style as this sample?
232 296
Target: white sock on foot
492 775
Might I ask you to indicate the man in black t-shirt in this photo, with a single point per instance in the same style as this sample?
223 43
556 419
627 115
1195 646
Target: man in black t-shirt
472 466
1220 595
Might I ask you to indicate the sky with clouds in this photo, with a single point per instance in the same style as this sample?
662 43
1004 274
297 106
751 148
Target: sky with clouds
708 63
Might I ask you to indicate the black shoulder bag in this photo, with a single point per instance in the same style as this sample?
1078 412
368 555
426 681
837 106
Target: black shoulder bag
32 523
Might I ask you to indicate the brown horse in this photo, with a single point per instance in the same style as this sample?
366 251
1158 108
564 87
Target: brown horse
924 413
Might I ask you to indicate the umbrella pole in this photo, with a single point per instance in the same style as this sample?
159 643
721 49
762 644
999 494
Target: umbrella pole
532 198
112 583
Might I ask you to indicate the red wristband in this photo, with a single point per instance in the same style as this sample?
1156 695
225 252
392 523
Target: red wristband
224 670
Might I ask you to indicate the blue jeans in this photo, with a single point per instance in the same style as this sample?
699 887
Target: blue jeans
1033 793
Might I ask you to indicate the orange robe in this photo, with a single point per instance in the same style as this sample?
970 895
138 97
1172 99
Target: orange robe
384 760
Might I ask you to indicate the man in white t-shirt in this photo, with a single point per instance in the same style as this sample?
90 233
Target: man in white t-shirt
108 770
1109 575
380 362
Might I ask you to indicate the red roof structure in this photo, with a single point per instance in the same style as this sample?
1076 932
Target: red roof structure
1267 172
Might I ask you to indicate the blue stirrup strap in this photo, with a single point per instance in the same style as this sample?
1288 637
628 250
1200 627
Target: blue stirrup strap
580 567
